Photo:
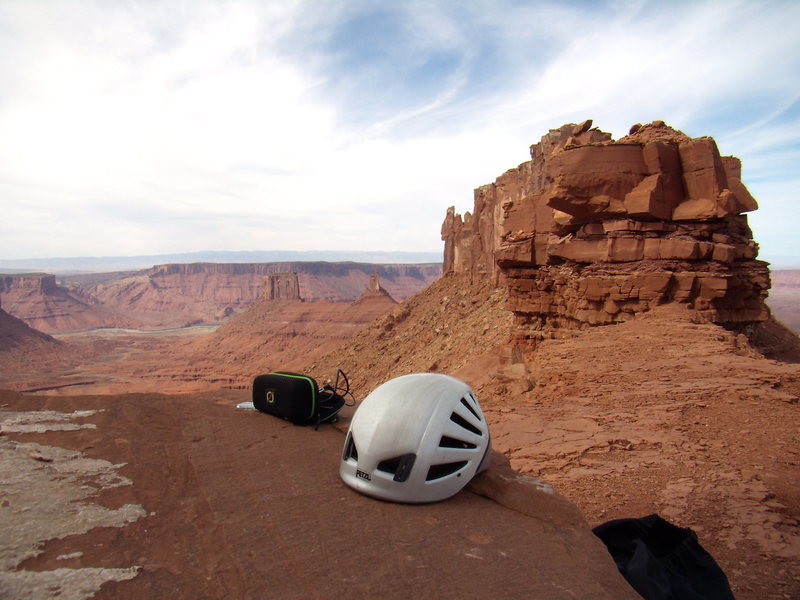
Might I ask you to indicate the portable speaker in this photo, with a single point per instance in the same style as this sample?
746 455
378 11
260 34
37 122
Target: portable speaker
298 399
290 396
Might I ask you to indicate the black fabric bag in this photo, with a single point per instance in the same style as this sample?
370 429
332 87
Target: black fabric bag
662 561
297 398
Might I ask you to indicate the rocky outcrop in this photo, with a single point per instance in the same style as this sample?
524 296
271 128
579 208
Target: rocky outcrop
170 296
281 331
375 290
281 286
592 231
16 335
38 300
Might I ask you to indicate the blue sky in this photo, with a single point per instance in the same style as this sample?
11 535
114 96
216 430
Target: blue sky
144 127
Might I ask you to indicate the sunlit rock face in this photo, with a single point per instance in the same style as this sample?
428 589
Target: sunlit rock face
591 231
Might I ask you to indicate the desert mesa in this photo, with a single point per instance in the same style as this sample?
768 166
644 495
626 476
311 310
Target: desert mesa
604 299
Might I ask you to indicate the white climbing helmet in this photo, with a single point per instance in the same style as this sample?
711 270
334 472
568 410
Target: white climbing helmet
416 438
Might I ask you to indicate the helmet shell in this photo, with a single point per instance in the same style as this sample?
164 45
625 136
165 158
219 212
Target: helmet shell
416 438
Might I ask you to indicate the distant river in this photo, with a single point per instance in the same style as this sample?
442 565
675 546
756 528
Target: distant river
111 331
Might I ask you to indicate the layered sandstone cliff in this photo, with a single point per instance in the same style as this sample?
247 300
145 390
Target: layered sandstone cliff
38 300
281 331
282 286
182 294
17 336
784 297
171 296
336 282
592 231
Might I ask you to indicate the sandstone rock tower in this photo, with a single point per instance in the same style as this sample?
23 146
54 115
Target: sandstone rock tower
375 289
592 231
281 286
374 283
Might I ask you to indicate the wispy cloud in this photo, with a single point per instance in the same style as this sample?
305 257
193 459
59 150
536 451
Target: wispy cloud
143 127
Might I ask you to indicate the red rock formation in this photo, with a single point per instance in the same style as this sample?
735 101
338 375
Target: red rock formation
38 300
375 290
279 332
784 297
169 296
16 335
592 231
282 286
181 294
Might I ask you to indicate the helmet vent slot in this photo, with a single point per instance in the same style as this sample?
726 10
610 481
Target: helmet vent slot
448 442
470 407
350 450
389 465
462 422
399 466
443 470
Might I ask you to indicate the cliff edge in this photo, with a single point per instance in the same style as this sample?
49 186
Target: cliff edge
593 231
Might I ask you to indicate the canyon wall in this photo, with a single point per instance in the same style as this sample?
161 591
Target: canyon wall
337 282
17 337
784 297
591 231
279 332
167 296
181 294
40 302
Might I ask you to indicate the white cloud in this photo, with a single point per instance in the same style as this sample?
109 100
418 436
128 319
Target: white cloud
170 126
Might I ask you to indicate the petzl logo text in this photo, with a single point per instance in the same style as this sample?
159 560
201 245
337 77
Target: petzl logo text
361 475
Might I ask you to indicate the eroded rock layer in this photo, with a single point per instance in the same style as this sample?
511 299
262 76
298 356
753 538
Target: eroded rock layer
592 231
172 296
16 335
282 286
176 295
279 332
38 300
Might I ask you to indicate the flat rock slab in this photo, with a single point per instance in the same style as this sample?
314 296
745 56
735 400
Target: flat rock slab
242 505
